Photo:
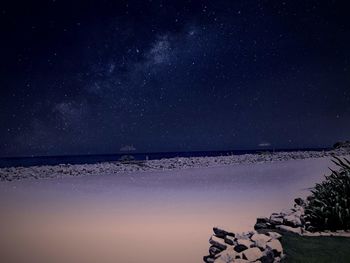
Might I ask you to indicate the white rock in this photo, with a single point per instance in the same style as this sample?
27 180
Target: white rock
260 237
274 235
252 254
295 230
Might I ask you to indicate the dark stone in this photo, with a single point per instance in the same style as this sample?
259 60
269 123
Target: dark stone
230 240
208 259
240 248
260 226
262 220
268 257
299 201
222 233
213 250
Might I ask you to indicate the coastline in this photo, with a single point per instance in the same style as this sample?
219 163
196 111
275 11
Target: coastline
108 168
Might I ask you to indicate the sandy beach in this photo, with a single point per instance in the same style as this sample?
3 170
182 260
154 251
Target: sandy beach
144 216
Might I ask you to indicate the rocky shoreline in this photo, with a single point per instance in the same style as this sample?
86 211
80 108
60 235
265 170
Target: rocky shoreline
227 247
294 221
55 171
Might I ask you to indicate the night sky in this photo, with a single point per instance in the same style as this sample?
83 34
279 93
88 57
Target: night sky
87 77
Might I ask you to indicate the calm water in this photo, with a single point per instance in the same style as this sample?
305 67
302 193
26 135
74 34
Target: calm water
150 217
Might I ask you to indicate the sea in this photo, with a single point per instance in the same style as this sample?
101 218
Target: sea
98 158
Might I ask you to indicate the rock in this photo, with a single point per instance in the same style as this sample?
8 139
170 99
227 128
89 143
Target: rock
217 242
261 226
213 250
220 232
262 220
292 220
230 240
240 248
241 261
252 254
274 235
228 255
277 259
244 242
276 220
295 230
275 246
299 201
260 237
208 259
268 257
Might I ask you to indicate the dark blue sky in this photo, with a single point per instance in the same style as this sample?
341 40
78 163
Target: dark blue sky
80 77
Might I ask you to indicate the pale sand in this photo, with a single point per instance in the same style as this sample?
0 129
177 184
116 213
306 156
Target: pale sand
160 216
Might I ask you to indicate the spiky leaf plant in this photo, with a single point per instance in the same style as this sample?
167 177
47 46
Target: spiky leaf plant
329 205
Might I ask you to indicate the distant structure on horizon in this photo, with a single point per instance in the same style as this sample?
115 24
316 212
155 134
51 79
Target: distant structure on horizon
127 148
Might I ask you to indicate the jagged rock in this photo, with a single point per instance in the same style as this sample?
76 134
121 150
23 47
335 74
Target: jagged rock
258 226
213 250
292 220
262 220
274 235
240 248
268 257
218 242
208 259
261 237
227 255
276 219
295 230
230 240
222 233
245 242
299 201
252 254
275 246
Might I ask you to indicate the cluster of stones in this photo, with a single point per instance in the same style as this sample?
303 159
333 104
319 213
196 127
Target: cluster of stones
53 171
229 247
290 220
294 221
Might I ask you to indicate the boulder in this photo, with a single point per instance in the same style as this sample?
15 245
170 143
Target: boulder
262 220
268 257
262 226
213 250
217 242
292 220
240 248
275 246
299 201
228 255
252 254
274 235
276 220
245 242
220 232
260 237
295 230
230 240
208 259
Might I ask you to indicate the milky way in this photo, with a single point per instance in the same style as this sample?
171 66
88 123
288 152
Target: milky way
91 76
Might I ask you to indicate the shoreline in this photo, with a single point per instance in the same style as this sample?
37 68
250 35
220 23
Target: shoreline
165 164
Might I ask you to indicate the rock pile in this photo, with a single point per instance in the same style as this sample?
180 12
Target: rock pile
294 221
229 247
290 220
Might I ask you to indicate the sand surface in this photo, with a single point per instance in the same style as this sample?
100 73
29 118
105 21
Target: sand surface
158 216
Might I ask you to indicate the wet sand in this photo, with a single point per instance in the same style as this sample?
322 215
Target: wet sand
159 216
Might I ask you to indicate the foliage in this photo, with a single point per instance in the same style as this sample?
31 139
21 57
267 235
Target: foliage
328 207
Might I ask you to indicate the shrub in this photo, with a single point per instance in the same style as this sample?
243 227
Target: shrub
328 207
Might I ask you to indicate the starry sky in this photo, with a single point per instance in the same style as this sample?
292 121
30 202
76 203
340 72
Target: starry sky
88 77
